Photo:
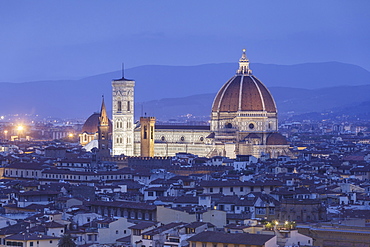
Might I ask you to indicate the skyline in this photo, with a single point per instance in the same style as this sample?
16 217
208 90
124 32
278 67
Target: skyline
49 40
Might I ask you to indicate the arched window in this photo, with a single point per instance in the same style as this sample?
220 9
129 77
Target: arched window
119 106
128 106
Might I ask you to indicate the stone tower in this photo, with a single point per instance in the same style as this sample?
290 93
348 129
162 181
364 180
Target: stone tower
123 116
147 136
103 132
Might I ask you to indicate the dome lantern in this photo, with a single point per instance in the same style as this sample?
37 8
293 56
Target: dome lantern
244 65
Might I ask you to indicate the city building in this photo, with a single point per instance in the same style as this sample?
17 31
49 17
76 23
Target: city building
243 122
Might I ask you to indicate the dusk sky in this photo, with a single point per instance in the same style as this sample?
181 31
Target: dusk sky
72 39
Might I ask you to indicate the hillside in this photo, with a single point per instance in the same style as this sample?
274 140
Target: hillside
298 88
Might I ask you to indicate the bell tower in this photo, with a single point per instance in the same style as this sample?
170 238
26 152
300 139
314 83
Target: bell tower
103 132
123 116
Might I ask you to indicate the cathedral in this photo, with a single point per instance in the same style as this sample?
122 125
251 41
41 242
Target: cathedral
243 122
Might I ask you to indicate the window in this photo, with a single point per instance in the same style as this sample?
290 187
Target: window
31 243
231 189
210 190
150 193
221 190
182 138
128 106
251 126
51 241
151 132
119 106
116 231
11 243
145 132
204 244
241 189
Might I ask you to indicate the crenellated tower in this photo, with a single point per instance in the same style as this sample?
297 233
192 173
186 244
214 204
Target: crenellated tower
123 116
147 136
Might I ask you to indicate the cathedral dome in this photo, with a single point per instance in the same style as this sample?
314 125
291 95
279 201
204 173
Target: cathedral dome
276 139
244 92
92 123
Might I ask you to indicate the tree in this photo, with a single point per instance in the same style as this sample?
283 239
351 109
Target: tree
66 241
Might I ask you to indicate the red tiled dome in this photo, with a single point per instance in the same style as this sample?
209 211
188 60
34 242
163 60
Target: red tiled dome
92 123
276 139
243 93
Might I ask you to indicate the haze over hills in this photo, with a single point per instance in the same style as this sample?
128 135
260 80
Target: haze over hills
168 91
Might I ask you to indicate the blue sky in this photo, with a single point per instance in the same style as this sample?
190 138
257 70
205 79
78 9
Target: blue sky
49 39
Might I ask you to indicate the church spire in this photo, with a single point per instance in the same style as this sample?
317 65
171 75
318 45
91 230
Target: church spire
244 65
103 119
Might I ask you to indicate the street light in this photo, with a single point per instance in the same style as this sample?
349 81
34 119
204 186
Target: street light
20 128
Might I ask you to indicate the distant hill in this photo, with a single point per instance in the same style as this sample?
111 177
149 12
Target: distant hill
298 88
343 100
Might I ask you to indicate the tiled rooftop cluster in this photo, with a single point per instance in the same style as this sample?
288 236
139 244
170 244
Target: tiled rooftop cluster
51 190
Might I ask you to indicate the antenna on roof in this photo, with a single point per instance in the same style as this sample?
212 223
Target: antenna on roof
123 70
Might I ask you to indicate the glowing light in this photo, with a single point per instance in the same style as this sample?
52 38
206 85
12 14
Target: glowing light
2 117
70 135
276 222
20 128
286 222
5 132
